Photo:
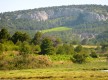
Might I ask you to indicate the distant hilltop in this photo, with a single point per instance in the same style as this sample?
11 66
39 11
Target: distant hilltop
83 19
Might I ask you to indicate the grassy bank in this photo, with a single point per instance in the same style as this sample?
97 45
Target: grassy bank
54 74
62 69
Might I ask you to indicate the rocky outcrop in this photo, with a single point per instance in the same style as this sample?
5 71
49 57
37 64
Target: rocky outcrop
38 15
43 15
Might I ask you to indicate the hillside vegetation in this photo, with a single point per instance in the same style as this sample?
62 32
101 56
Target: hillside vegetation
86 21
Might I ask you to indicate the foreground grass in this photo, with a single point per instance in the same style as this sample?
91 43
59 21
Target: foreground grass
56 29
54 74
62 69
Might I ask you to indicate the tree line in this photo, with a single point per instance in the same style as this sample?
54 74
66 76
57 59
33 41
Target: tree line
27 48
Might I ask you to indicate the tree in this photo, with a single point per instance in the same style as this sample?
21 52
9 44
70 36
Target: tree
80 57
37 38
80 54
65 49
78 48
4 35
47 46
25 48
18 36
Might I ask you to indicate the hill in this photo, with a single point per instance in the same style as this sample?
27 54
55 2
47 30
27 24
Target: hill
86 21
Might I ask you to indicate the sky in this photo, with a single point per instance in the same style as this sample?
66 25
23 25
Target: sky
14 5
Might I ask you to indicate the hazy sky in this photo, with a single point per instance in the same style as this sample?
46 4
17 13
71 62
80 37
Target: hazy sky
12 5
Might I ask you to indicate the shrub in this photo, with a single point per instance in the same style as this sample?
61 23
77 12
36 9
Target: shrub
25 48
93 54
78 48
65 49
78 58
28 61
6 62
43 61
36 49
31 61
47 47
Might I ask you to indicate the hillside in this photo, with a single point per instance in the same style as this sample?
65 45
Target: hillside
86 21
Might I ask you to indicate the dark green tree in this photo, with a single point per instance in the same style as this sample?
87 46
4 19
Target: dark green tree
37 38
47 46
18 36
4 35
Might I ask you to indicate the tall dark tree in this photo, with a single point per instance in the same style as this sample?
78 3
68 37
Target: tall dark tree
18 36
37 38
47 46
4 35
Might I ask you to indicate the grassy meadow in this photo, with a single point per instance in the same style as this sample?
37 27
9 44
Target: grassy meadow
56 29
62 69
53 74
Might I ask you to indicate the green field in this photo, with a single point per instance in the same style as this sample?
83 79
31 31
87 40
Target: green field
56 29
62 69
53 74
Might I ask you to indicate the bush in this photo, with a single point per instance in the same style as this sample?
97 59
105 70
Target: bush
93 54
31 61
25 48
65 49
43 61
78 48
8 46
36 49
78 58
6 62
47 47
10 62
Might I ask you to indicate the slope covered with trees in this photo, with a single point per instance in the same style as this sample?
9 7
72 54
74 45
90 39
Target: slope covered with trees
86 21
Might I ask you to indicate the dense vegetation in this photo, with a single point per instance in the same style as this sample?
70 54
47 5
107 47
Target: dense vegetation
19 51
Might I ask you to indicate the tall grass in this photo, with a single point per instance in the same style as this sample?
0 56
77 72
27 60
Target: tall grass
53 74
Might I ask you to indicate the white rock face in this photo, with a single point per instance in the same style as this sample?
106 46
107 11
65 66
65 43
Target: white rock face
41 15
44 15
38 15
